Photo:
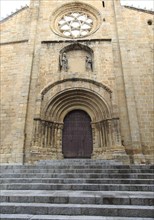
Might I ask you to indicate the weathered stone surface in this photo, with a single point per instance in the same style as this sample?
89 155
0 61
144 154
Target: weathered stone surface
117 92
81 196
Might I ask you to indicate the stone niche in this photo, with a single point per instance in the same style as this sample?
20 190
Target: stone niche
76 58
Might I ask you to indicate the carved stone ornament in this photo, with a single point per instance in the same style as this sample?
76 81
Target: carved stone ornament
89 64
76 24
75 20
63 62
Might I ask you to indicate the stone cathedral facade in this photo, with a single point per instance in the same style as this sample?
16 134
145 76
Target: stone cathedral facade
77 82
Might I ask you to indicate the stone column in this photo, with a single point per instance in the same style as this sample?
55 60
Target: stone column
94 138
52 135
49 135
99 137
59 141
45 134
42 133
53 146
109 131
105 133
56 135
103 136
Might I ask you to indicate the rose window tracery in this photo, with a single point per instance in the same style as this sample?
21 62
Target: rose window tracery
76 24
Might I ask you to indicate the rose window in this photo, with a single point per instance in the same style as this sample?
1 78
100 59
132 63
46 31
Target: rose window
75 25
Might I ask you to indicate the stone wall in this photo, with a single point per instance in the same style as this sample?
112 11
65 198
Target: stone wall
13 101
122 63
16 57
140 54
138 70
16 27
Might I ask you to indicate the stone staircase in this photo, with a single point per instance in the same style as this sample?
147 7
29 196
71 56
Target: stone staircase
77 190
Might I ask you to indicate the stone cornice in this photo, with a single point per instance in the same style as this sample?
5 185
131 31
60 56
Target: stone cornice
13 14
14 42
140 10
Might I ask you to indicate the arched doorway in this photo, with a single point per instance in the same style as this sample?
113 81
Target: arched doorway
77 135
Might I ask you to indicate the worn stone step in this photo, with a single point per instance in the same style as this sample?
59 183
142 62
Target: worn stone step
63 217
75 209
93 187
102 171
78 175
76 167
71 166
81 197
85 162
85 190
64 165
79 161
79 180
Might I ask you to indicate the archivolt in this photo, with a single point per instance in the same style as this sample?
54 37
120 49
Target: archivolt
92 82
78 98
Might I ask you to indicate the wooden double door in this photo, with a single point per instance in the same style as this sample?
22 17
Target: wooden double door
77 135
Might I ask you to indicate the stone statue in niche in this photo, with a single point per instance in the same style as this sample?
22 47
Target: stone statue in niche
89 64
63 62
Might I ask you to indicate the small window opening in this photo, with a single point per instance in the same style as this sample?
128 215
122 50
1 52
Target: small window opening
103 3
149 22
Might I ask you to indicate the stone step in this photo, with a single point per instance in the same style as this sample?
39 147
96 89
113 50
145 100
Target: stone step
81 197
85 190
77 175
93 187
79 180
86 162
79 161
69 170
63 217
77 209
64 164
76 166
